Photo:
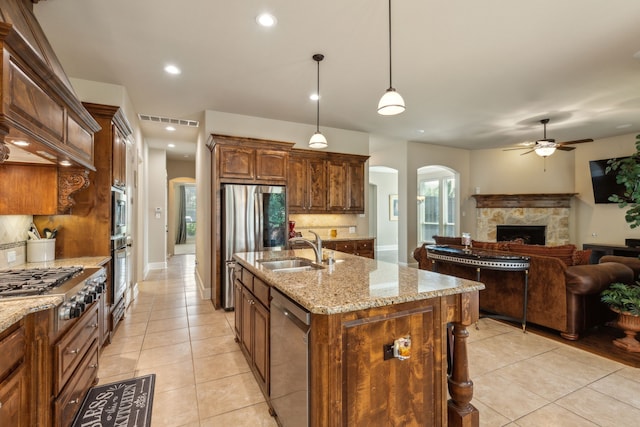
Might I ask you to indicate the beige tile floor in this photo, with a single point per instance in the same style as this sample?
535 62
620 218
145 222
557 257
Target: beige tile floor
202 379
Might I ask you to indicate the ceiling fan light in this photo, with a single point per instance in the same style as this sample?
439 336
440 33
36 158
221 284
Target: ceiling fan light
545 151
318 141
391 103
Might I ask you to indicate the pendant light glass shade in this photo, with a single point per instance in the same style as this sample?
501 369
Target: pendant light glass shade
318 140
391 102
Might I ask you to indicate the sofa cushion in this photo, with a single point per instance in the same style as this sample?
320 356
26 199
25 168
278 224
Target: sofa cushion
492 246
445 240
562 252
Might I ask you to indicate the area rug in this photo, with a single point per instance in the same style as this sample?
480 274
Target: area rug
597 340
123 403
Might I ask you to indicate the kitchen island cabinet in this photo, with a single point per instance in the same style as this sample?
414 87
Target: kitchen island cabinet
358 308
14 391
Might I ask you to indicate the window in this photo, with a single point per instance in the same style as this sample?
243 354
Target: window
437 203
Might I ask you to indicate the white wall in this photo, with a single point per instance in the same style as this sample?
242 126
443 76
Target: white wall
606 221
157 198
386 230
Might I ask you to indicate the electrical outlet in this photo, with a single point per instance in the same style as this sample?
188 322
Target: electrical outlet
11 256
352 230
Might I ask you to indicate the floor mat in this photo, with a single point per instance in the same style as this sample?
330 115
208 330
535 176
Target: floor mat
122 403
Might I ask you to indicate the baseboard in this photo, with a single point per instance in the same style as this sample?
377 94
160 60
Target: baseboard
205 291
383 248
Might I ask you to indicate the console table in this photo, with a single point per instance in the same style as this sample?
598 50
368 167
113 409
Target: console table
488 260
598 251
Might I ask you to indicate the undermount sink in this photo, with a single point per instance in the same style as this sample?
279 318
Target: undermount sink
290 265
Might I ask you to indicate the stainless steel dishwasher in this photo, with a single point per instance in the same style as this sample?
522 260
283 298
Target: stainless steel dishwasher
290 324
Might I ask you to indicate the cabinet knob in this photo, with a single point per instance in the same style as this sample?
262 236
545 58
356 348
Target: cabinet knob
74 351
74 401
93 366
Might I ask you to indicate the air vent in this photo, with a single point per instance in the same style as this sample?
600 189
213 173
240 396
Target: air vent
168 120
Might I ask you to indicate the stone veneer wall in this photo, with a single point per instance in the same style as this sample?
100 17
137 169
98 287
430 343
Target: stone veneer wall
556 220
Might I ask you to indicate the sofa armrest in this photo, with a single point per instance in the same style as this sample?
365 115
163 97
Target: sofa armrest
594 278
631 262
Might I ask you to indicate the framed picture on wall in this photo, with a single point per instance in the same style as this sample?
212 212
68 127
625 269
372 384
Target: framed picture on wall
393 207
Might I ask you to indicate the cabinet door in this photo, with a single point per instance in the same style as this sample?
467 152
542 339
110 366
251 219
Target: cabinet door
364 248
236 162
271 165
260 320
355 179
119 159
337 186
237 313
297 185
245 325
14 401
317 185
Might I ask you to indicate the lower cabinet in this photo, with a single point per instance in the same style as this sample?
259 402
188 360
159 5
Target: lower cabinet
363 248
14 392
252 318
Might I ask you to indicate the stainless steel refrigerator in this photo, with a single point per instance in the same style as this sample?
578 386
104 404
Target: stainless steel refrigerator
254 218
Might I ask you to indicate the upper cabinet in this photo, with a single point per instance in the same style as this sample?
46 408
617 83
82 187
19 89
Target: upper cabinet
38 104
249 161
321 182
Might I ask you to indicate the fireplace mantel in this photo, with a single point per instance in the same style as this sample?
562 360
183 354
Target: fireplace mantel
554 200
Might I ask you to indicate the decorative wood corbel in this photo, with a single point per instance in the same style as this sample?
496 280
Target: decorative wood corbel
4 152
70 181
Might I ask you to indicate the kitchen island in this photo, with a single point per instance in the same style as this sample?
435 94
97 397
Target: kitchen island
358 309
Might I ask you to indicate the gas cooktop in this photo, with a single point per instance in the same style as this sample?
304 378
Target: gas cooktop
35 281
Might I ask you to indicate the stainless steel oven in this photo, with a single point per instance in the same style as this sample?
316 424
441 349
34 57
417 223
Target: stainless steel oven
118 212
118 278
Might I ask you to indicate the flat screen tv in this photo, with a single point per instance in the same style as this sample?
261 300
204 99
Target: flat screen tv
604 185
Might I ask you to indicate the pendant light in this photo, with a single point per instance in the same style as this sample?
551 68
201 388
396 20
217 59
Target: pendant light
317 139
391 102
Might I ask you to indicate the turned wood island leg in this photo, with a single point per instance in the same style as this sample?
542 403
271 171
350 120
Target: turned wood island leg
460 411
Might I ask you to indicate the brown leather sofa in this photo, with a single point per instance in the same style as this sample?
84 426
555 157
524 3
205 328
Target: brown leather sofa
562 297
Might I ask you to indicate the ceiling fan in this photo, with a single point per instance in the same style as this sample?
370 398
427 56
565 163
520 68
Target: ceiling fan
547 146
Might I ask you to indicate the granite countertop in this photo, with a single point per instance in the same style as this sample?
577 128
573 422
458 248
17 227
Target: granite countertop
340 237
14 309
66 262
11 311
353 283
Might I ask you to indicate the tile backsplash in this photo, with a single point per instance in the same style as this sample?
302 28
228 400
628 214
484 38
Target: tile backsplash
13 237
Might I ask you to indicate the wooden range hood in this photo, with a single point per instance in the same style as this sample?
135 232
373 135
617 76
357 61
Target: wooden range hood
39 106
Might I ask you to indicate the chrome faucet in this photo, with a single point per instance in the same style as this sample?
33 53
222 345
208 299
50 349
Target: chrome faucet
317 247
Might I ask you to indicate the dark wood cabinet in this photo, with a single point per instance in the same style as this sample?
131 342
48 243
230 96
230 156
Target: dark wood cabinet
252 318
321 182
361 247
307 183
14 391
119 169
247 160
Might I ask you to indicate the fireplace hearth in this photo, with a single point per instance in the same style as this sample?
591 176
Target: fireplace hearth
530 234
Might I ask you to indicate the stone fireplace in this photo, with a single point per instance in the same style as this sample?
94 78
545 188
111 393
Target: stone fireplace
549 210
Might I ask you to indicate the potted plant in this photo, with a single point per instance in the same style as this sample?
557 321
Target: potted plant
625 300
627 170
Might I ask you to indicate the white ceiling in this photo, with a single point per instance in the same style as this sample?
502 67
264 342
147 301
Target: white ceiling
474 74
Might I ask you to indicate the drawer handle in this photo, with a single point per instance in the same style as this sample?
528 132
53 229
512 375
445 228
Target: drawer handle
74 351
93 366
74 401
93 326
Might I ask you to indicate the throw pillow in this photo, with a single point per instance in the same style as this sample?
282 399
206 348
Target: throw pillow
582 257
563 252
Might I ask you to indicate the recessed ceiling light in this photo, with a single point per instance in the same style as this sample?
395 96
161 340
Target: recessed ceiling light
65 163
170 128
171 145
172 69
266 20
420 130
20 143
314 97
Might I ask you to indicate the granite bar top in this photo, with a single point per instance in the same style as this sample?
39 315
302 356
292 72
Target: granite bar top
14 309
353 282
